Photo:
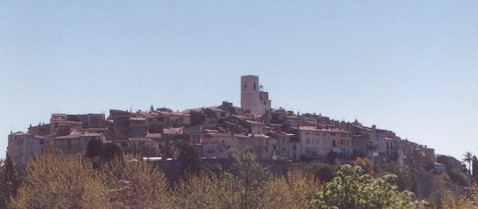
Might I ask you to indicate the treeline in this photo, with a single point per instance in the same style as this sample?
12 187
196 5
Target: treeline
73 181
66 181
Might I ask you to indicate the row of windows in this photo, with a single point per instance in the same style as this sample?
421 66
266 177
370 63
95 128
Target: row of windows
315 141
331 133
343 142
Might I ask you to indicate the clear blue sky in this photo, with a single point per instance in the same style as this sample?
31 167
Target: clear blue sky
407 66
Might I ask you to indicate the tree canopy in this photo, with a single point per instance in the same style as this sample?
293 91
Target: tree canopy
354 189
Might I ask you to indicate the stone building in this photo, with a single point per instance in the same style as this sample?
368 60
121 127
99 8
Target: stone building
252 97
23 146
75 142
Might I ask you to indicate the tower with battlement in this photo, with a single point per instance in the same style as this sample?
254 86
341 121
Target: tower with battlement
253 98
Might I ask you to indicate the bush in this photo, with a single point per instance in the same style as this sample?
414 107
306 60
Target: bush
459 177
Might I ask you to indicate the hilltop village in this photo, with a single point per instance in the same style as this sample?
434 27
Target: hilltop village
272 134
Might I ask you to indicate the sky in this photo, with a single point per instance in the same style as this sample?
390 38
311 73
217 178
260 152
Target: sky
406 66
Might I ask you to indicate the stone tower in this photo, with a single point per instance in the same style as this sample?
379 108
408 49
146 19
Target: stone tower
252 96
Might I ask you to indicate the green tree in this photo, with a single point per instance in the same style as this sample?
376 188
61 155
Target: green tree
324 172
354 189
404 175
94 148
11 181
111 151
61 181
251 177
189 156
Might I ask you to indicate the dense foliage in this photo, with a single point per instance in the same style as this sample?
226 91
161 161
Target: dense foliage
57 181
246 185
458 199
71 181
354 189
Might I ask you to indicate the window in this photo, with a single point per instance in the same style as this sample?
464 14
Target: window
307 141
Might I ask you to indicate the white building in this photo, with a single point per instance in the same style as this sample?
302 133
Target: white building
252 96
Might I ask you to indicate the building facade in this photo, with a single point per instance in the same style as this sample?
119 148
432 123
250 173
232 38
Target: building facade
23 146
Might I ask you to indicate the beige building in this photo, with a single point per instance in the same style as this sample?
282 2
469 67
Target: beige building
282 143
218 145
316 142
252 97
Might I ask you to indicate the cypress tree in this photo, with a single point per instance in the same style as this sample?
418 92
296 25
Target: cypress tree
11 181
474 169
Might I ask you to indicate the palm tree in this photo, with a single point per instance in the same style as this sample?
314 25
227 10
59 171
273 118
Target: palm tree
468 159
